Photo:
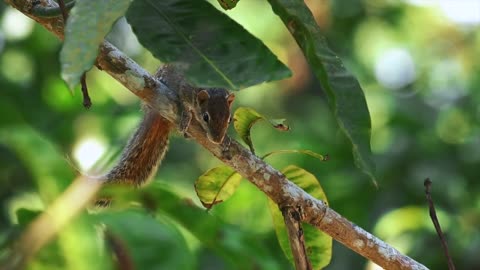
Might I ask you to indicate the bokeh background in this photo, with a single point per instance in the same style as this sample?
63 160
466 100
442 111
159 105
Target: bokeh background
417 62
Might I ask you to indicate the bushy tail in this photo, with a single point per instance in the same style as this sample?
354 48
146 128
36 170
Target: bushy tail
144 151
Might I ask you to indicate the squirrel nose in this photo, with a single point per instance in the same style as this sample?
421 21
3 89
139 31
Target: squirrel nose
216 138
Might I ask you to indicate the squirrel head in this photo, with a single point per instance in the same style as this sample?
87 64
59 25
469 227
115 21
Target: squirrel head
214 106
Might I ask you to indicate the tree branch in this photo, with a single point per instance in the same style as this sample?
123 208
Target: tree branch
296 238
433 215
274 184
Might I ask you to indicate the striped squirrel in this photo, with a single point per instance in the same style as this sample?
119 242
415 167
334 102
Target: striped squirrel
147 147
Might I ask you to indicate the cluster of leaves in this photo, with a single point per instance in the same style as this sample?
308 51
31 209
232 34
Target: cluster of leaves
213 48
219 184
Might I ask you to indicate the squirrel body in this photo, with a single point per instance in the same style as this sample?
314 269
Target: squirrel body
146 149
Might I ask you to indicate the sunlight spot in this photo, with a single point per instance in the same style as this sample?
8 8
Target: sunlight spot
372 266
395 69
461 12
15 25
88 151
446 84
17 66
453 126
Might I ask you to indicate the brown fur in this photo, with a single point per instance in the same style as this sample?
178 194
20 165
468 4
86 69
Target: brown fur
144 151
147 147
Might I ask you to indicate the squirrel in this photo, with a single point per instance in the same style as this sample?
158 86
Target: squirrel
146 149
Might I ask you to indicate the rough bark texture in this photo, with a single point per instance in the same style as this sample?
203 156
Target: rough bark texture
274 184
296 239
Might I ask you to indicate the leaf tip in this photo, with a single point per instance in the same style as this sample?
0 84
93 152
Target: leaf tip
228 4
280 124
71 80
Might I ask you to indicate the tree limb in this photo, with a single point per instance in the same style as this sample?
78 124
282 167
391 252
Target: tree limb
270 181
296 239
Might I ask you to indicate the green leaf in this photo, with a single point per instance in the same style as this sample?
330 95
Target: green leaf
228 4
318 244
388 227
215 49
150 243
345 96
25 216
12 233
87 25
217 185
74 243
245 118
26 143
230 242
305 152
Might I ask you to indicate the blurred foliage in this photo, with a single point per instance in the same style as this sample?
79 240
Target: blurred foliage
416 64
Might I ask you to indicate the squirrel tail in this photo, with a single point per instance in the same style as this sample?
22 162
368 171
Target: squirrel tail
144 151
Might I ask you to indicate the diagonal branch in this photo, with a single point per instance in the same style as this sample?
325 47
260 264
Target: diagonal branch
270 181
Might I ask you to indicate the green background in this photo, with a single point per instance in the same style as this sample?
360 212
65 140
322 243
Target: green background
425 116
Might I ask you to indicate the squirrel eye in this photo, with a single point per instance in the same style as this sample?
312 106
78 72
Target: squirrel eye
205 117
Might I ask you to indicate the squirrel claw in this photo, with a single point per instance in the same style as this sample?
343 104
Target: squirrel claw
226 151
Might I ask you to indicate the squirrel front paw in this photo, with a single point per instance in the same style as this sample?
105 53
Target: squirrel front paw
226 149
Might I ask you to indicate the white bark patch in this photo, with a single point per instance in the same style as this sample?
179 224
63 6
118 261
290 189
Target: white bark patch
266 176
370 238
358 243
292 191
267 188
370 244
134 75
137 82
387 251
258 166
327 220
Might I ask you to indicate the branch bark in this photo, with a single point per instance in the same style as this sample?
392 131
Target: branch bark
296 239
270 181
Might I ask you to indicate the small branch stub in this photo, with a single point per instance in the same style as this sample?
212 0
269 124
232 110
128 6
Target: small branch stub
87 102
433 215
295 237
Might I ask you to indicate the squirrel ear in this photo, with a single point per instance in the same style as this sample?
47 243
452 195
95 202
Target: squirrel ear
230 99
202 96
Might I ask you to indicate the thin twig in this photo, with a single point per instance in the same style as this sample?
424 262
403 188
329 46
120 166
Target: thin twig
87 103
124 260
296 238
63 8
433 215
